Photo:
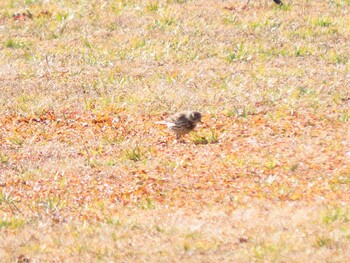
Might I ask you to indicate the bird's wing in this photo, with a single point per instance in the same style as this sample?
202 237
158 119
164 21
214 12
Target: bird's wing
177 118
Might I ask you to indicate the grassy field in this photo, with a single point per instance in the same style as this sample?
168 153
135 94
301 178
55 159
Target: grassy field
86 175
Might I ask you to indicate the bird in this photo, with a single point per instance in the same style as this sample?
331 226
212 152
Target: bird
183 122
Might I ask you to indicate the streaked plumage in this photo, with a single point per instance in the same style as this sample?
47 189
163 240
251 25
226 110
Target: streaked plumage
182 123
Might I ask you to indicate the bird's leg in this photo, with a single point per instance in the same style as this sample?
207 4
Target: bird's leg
179 138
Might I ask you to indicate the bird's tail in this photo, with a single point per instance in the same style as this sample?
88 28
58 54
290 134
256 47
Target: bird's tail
161 122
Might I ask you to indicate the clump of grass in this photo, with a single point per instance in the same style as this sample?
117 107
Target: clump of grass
168 21
322 241
243 111
16 140
87 43
194 235
187 246
301 51
115 221
240 53
112 139
336 214
336 58
7 199
4 158
270 164
344 117
11 43
134 154
284 7
52 204
61 16
92 162
322 22
209 138
231 19
29 2
11 223
176 1
200 140
213 137
148 205
153 6
294 167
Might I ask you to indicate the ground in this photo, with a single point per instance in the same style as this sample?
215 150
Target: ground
86 174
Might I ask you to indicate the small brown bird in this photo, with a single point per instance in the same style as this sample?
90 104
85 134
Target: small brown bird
182 123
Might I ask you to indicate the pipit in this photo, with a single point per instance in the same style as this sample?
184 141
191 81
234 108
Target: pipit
182 123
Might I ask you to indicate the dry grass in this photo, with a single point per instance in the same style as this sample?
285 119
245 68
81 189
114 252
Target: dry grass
85 174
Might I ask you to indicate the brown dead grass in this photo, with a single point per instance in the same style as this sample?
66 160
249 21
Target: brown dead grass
86 174
259 231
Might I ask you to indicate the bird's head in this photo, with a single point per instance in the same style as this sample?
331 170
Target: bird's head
195 116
